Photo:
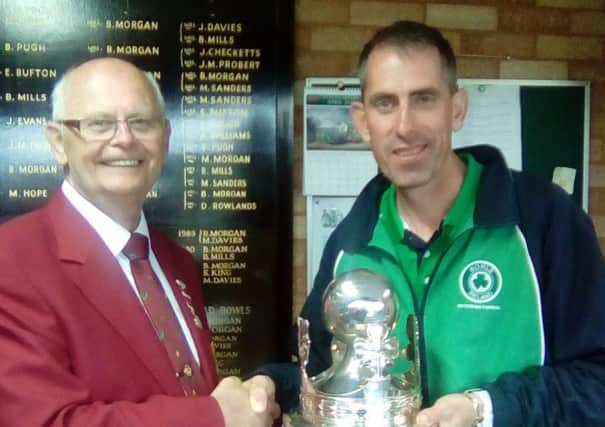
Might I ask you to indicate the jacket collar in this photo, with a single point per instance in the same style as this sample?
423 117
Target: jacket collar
496 196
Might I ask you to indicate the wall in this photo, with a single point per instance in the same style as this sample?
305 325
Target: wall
509 39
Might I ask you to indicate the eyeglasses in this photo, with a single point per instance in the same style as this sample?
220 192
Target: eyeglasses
105 128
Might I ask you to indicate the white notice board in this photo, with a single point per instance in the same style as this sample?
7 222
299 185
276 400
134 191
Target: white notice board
494 118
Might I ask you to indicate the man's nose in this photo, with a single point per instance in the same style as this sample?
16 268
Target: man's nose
123 133
405 119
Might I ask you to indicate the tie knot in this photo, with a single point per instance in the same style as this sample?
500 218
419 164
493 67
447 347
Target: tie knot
137 247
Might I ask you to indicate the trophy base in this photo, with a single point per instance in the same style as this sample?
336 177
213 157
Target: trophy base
297 420
322 410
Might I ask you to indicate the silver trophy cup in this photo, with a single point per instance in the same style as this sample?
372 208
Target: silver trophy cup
358 390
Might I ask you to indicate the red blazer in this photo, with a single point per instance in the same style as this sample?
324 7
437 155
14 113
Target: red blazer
76 348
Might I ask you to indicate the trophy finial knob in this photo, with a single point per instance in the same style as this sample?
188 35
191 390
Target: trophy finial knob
359 304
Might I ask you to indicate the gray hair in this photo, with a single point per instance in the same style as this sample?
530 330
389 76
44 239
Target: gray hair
57 96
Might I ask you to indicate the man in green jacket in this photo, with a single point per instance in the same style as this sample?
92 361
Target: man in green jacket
503 271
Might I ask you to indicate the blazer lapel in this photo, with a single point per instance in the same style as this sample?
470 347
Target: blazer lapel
94 269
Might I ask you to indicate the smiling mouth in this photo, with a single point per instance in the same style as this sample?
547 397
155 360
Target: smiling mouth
123 163
409 151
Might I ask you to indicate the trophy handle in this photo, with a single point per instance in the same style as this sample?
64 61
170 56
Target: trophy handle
304 349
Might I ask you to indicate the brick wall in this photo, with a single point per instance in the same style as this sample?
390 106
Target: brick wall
543 39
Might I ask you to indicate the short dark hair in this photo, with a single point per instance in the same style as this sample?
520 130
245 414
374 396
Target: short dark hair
410 34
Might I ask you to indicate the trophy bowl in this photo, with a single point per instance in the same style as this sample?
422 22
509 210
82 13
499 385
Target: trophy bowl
360 310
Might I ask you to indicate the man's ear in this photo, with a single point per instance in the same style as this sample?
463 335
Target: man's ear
459 108
56 140
358 114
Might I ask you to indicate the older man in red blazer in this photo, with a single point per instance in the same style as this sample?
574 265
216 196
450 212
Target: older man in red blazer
78 344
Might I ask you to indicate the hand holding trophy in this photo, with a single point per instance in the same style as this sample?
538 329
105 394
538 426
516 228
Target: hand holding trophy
361 311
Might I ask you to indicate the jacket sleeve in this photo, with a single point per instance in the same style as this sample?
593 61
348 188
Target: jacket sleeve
569 390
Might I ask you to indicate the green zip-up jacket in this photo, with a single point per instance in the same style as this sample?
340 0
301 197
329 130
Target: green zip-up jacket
511 300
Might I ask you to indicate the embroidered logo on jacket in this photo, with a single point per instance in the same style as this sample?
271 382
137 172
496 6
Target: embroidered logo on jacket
480 282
